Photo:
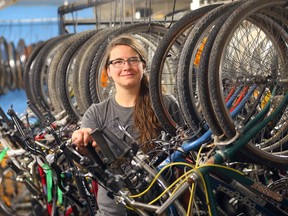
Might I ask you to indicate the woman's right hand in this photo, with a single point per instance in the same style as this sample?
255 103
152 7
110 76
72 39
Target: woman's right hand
82 137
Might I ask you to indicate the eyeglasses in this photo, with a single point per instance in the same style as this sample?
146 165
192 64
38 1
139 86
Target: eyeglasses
119 63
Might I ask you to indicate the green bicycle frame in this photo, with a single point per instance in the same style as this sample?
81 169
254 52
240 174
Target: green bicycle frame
244 182
236 185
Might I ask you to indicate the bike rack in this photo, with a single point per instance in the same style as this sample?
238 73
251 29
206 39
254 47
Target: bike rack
77 6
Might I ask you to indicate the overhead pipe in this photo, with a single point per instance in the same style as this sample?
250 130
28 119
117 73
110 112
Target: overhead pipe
69 8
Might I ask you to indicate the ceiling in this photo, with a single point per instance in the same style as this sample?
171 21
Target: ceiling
61 2
7 3
37 2
157 5
49 2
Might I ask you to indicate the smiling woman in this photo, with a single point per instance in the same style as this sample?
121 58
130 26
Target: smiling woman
128 110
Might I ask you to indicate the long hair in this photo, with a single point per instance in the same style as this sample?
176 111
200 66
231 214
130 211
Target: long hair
145 120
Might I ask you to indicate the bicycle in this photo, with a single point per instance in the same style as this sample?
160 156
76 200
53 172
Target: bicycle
56 185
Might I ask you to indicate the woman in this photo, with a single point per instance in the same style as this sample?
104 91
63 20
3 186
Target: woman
129 108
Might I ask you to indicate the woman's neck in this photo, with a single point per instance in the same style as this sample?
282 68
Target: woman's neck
126 98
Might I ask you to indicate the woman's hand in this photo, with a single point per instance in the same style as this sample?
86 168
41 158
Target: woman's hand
82 137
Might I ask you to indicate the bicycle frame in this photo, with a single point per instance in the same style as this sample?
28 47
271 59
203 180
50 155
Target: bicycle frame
236 185
47 166
231 181
194 145
24 173
207 172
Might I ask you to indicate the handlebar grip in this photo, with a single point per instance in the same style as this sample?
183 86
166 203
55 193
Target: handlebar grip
5 118
102 143
16 120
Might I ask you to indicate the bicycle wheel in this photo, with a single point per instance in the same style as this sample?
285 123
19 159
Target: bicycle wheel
76 70
64 77
191 74
253 40
27 70
21 61
12 65
248 48
53 83
38 73
82 65
6 76
168 52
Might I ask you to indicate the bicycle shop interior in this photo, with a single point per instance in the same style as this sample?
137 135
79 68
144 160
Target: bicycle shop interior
223 63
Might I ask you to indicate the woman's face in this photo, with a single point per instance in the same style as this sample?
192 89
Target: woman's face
130 74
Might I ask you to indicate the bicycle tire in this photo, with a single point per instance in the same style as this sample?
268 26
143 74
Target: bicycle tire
28 70
223 117
173 36
20 62
63 76
6 78
37 95
12 65
245 10
267 158
188 76
84 63
53 90
204 90
77 60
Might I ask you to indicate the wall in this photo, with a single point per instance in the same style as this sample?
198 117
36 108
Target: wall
32 23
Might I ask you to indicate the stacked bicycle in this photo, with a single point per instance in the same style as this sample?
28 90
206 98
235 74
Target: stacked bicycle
230 158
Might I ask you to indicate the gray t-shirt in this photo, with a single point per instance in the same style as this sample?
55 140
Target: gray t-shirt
110 114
